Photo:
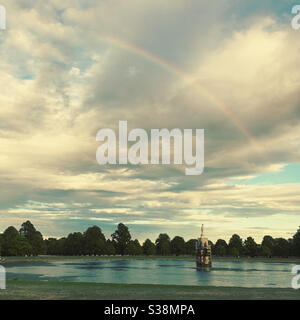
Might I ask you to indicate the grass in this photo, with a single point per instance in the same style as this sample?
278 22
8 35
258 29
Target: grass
25 290
188 258
259 259
40 290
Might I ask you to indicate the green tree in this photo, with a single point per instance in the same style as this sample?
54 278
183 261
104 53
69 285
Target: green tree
121 238
211 245
131 249
296 243
14 244
60 246
74 244
0 244
34 238
51 246
220 248
149 248
235 245
251 248
190 247
178 246
163 244
110 249
139 249
94 241
24 247
234 252
282 247
268 246
266 251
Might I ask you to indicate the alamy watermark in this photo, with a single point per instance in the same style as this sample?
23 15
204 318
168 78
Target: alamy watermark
2 278
296 278
2 17
296 20
138 153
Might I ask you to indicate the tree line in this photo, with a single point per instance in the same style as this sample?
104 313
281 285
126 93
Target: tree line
29 242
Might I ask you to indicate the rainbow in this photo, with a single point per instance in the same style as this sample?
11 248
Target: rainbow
124 45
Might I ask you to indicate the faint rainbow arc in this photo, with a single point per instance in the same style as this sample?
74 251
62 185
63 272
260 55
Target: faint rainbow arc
171 68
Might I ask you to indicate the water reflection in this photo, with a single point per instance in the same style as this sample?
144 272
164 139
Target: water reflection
237 274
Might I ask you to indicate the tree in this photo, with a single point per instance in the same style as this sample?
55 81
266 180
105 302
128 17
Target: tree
266 251
37 243
14 244
24 247
121 238
178 246
110 249
34 238
268 246
296 243
51 246
211 245
133 248
94 241
0 244
220 248
60 246
234 252
235 245
74 244
282 247
251 248
190 247
130 249
139 249
163 245
149 248
56 246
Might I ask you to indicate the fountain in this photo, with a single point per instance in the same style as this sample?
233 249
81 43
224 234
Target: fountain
203 252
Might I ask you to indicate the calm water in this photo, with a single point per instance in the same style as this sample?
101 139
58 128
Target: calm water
241 274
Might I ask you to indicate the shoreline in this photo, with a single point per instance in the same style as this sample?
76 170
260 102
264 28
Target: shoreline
44 290
186 258
60 290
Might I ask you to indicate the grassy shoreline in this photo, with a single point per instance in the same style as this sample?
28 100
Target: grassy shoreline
42 290
187 258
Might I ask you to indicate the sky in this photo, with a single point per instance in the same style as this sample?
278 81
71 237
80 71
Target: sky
70 68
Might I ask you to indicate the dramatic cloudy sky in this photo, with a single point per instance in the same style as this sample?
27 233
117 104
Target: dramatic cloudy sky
69 68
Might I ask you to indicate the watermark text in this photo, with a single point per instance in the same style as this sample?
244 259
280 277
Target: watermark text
296 19
161 151
2 278
2 17
296 278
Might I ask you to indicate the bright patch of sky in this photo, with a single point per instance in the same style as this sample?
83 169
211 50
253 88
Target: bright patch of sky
288 174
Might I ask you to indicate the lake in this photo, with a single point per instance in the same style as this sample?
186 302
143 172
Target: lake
178 272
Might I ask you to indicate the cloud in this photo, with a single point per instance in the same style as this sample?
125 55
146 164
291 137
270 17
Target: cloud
64 74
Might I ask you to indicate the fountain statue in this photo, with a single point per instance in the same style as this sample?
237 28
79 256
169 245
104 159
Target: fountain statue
203 252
